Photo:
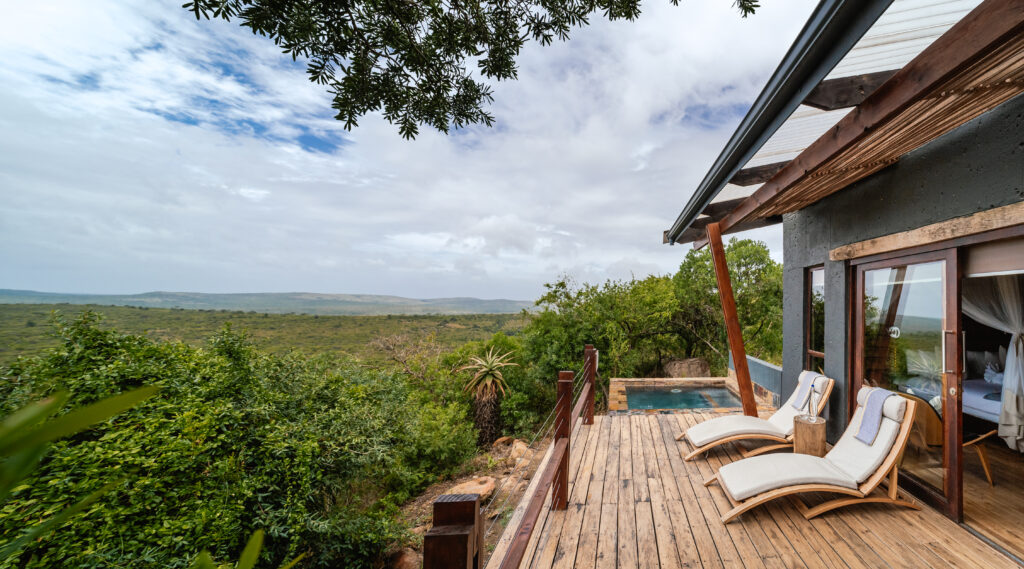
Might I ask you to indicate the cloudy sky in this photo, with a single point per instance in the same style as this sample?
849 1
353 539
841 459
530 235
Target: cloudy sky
142 150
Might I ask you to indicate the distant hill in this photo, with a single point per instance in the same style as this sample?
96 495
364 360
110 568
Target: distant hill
277 303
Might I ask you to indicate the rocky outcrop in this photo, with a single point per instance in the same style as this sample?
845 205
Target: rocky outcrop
690 367
483 485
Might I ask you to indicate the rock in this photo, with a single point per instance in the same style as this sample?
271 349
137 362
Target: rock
503 441
691 367
421 530
483 486
405 558
519 449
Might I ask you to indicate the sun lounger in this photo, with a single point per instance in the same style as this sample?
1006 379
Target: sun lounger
851 467
777 429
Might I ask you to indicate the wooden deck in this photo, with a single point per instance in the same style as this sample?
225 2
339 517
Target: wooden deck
634 503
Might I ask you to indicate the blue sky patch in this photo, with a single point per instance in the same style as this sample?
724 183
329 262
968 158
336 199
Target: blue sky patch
319 143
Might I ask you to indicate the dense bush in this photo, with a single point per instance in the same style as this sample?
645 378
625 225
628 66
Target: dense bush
315 451
640 324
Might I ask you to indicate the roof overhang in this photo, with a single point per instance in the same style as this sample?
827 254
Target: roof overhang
975 65
833 28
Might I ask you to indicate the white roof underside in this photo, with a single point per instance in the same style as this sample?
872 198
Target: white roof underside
899 35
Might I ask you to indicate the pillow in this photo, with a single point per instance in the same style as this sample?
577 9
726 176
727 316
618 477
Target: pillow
975 363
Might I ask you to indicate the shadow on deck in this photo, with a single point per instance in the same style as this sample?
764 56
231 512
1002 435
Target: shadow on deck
634 503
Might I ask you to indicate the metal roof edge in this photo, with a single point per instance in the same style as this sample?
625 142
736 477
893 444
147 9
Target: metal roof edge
833 29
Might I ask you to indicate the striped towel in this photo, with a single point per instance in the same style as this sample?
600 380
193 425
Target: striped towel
803 390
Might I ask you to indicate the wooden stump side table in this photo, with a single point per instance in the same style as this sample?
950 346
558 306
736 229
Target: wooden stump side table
809 435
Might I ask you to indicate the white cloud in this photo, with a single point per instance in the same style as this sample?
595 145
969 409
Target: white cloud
143 150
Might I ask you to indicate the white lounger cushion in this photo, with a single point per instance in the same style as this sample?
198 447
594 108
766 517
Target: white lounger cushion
848 464
783 418
859 460
752 476
729 425
780 424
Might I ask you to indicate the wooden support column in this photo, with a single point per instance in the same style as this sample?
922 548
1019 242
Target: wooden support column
732 322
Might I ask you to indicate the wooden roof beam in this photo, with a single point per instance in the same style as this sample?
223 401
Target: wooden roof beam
845 92
985 28
756 174
718 210
696 233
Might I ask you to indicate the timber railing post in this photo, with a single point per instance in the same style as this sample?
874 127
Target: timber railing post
563 430
456 539
589 374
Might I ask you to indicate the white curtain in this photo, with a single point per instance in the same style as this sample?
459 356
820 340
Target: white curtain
998 302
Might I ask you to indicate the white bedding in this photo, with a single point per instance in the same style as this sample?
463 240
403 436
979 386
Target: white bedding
975 403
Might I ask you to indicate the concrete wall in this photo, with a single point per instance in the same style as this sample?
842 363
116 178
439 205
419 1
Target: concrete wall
976 167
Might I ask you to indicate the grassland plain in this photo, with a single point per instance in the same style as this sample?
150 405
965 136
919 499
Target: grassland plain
25 329
279 303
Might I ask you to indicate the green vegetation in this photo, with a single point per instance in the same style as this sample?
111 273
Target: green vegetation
487 381
317 452
640 325
24 329
318 448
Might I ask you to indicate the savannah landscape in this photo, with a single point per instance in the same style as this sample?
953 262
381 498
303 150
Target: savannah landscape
321 431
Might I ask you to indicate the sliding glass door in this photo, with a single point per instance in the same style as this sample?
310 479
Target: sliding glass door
907 339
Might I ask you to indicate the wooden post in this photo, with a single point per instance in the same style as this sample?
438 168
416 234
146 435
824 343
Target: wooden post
809 436
456 538
589 374
732 322
563 430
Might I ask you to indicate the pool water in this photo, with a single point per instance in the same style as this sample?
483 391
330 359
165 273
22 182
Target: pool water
695 397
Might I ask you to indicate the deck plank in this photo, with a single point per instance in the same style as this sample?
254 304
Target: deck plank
640 493
610 494
706 543
544 543
634 503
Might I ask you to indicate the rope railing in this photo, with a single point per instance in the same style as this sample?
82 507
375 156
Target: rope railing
456 539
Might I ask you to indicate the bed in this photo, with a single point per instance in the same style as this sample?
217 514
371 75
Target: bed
981 399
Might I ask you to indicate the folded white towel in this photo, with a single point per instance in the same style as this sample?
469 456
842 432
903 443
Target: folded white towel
992 375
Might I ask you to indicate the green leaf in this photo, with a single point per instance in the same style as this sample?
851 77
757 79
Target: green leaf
32 414
293 562
75 421
16 468
251 553
38 531
203 561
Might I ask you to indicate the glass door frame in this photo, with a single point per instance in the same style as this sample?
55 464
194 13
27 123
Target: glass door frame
950 501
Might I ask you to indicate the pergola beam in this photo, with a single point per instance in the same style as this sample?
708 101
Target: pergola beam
700 238
845 92
983 31
756 175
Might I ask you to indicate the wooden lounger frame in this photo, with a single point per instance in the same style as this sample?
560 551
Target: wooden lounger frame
888 472
780 442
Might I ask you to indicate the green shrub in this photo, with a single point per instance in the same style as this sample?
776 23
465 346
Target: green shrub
315 451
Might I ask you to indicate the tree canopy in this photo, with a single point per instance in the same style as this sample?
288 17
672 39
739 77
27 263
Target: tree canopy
412 60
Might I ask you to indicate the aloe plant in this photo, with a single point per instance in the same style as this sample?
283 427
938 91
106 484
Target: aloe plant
485 384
